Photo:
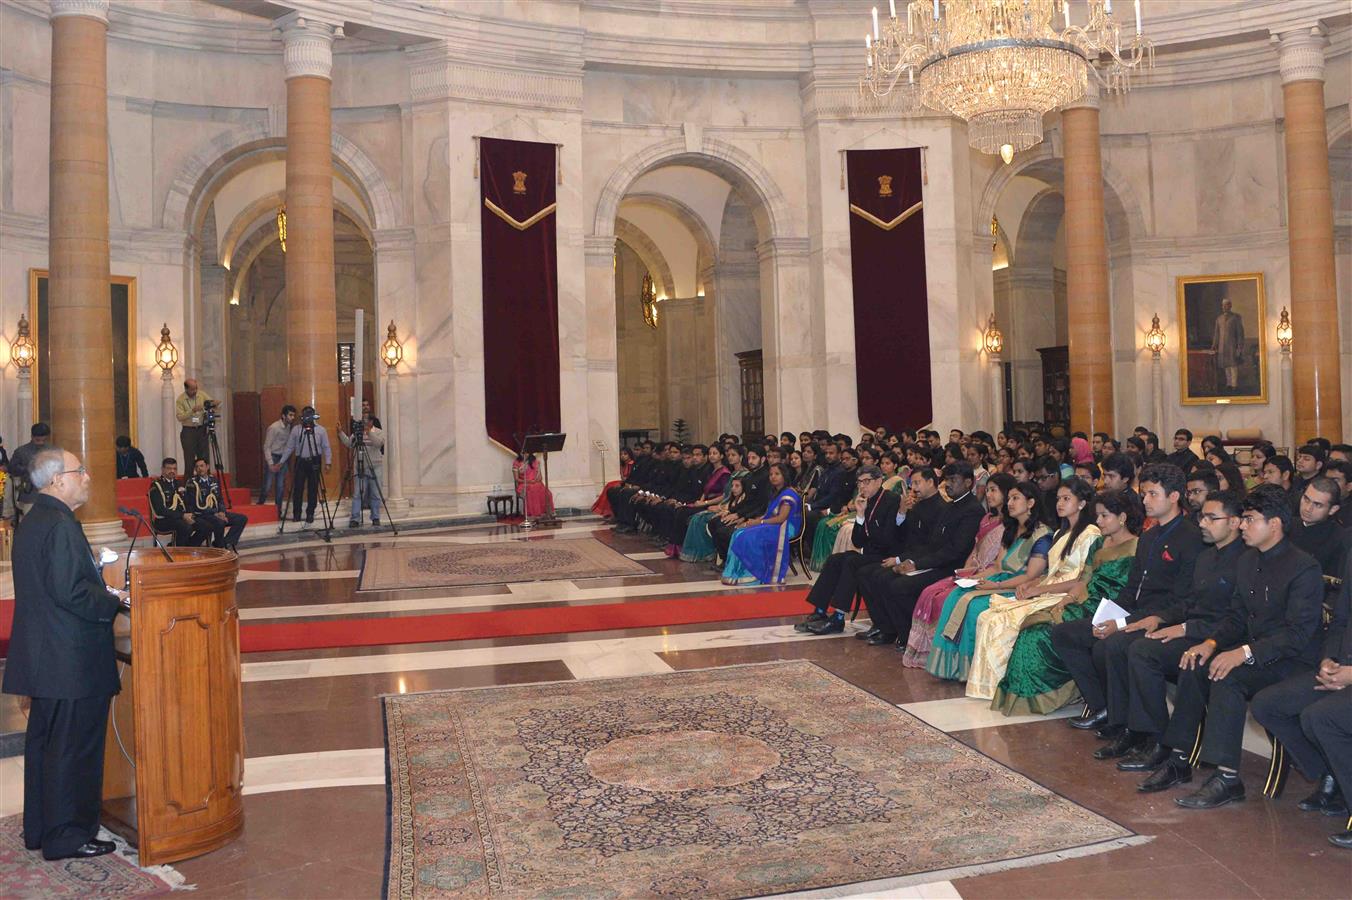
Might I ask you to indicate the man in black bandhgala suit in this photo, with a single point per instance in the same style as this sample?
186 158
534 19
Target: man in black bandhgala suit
61 656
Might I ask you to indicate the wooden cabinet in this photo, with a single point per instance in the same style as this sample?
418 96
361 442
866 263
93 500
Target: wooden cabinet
753 394
178 716
1055 386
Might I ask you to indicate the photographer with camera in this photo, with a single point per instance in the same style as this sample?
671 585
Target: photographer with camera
309 444
366 470
194 411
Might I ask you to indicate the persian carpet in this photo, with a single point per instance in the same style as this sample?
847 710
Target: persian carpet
26 874
729 782
451 565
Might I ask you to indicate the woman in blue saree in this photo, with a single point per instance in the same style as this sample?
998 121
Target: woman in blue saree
759 554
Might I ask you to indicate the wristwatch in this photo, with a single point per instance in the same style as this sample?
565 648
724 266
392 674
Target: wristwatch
1248 655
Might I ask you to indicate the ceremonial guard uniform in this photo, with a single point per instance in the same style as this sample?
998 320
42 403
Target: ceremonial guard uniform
167 511
204 502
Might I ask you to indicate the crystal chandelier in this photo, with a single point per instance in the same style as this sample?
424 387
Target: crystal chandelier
1000 65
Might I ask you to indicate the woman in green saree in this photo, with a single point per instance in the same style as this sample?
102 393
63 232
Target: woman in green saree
1035 680
1027 541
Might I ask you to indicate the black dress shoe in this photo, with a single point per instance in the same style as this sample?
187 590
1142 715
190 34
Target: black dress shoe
1126 743
806 624
1092 719
881 638
1342 839
832 625
1217 790
1145 758
1326 799
1108 732
86 850
1174 771
866 635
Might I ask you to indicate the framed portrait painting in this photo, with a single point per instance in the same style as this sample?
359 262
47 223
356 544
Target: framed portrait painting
1224 323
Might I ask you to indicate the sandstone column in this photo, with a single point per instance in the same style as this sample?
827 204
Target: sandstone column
1088 320
79 372
1309 229
311 305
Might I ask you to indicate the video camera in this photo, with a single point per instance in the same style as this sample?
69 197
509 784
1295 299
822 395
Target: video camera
308 419
209 413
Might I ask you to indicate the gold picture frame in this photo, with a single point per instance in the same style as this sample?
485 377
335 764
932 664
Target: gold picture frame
1223 345
124 421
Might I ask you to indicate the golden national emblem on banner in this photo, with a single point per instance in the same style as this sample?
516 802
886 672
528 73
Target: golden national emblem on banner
518 182
884 185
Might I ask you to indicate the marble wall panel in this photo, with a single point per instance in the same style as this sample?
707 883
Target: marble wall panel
23 180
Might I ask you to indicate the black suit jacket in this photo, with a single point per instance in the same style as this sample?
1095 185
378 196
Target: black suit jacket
1213 584
758 496
954 535
918 528
1277 607
62 646
1161 574
879 535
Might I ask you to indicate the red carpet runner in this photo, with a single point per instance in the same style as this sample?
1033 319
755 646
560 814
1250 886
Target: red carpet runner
366 632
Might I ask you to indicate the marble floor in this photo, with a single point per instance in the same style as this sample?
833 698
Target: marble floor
314 776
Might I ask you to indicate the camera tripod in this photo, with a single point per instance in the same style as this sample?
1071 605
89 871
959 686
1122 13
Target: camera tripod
215 461
308 448
359 466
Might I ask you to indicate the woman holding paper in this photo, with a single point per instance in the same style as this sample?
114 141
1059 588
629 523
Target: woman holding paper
1026 541
1035 680
998 627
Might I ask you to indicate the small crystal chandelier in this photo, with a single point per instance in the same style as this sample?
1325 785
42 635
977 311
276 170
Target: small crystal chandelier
648 297
1000 65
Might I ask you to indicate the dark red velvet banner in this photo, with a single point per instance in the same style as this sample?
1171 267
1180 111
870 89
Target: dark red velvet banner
521 282
891 303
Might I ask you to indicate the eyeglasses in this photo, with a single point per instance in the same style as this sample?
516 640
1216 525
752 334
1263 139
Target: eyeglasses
80 471
1216 518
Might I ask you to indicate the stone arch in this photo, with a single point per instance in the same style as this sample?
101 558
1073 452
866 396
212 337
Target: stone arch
1125 217
650 255
698 228
719 157
228 153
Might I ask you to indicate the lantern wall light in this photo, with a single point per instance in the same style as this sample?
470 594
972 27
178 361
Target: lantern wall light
1284 331
166 354
392 352
24 351
993 341
1155 337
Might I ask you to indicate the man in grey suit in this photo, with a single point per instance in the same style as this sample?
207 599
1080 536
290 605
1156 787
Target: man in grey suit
1227 342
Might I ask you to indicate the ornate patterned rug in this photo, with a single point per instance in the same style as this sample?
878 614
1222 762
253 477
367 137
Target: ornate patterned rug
452 565
26 874
730 782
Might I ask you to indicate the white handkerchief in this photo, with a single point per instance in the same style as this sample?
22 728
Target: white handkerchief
1109 611
967 582
918 572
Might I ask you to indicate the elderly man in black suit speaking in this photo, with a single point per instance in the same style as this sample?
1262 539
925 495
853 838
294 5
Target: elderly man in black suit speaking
61 656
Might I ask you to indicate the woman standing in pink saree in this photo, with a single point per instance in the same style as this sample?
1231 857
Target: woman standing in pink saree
983 556
536 498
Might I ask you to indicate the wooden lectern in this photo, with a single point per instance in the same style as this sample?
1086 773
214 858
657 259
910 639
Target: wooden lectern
178 716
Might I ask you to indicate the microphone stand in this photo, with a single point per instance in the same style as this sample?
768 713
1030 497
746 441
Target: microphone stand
140 520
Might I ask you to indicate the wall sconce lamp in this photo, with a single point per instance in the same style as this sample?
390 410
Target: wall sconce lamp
281 226
994 341
392 352
1284 333
24 351
1155 338
166 354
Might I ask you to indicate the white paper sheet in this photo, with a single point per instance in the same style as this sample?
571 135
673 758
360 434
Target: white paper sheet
1108 611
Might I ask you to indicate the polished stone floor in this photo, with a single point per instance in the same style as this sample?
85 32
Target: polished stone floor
314 777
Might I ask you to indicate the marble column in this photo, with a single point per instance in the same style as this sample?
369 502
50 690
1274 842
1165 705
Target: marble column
1090 331
311 304
79 372
1309 229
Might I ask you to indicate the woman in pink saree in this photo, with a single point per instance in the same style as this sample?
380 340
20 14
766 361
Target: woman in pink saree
536 498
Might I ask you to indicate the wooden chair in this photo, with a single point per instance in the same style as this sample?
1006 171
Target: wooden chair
796 552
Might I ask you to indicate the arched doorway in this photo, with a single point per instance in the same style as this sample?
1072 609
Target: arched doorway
694 226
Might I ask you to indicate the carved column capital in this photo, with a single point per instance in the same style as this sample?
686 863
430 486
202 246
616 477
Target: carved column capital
93 9
307 45
1301 54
